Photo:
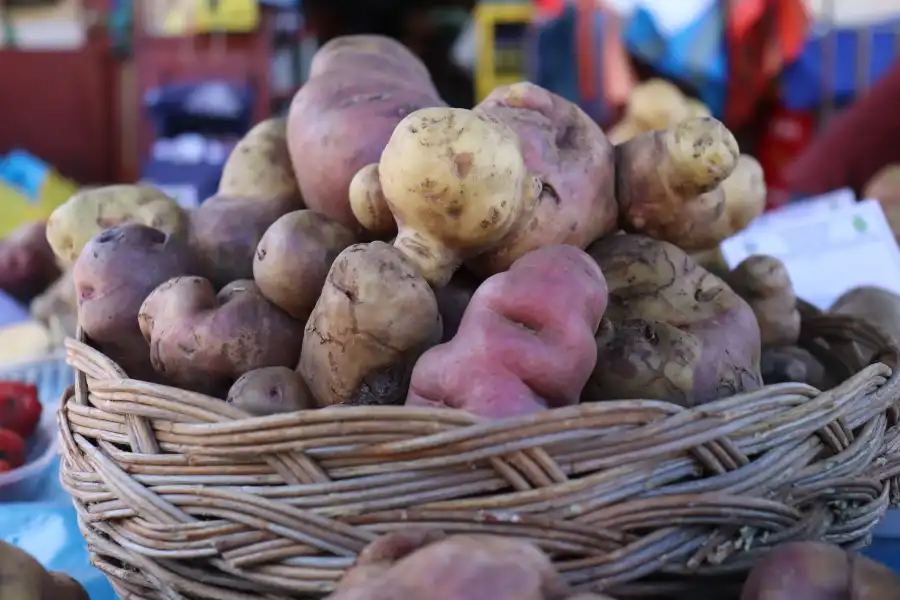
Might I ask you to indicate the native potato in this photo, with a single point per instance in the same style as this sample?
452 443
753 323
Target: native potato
408 564
763 281
27 263
878 307
369 205
269 391
818 571
259 166
203 341
225 232
86 214
456 182
359 89
687 185
293 258
574 164
783 364
655 104
675 332
568 194
374 318
23 578
113 275
526 340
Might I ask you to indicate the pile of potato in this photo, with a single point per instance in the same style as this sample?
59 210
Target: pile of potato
379 247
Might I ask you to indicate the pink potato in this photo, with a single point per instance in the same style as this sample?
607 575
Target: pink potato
360 88
419 565
373 53
526 341
570 155
818 571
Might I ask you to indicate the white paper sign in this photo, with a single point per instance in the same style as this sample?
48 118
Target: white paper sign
824 204
826 252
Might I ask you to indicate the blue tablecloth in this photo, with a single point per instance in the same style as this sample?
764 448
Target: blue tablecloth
46 526
48 530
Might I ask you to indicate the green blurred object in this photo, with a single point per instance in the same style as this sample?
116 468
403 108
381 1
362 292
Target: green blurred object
9 30
120 21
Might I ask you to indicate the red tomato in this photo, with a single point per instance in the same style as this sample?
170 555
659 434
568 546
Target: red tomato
20 409
4 467
12 449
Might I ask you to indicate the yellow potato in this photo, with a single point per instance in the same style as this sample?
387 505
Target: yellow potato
456 183
657 104
624 130
260 166
369 205
86 214
696 109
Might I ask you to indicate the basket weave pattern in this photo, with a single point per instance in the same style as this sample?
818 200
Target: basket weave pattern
180 495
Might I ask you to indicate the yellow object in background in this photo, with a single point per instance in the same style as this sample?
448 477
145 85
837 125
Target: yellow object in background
501 29
29 190
23 342
187 17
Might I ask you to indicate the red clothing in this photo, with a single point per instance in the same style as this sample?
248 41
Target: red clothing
855 144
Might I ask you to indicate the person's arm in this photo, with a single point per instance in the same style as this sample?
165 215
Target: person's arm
855 144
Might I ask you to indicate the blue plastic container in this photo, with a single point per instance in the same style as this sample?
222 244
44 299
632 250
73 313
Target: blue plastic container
885 546
801 81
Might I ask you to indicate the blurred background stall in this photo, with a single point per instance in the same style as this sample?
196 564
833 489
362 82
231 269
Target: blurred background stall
96 92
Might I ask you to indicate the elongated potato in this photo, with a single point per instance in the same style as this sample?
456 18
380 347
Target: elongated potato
687 185
374 318
360 87
525 343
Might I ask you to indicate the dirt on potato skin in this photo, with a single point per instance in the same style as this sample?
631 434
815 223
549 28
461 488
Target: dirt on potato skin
676 332
375 317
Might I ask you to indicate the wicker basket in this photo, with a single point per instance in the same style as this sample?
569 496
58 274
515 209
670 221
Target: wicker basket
181 496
